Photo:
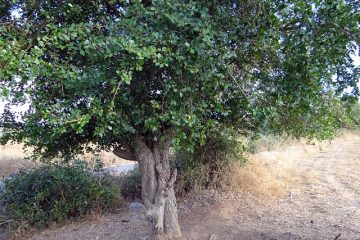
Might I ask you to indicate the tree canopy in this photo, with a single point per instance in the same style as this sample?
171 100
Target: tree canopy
140 76
103 71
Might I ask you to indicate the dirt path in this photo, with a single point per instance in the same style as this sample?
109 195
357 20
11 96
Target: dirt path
324 203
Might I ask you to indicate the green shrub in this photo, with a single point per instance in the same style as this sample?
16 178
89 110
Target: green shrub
131 184
205 166
356 114
57 192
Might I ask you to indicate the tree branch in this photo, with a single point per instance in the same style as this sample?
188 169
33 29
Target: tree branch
127 153
8 221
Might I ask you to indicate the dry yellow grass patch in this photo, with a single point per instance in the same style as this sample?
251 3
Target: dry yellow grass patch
270 174
14 151
255 178
108 158
12 159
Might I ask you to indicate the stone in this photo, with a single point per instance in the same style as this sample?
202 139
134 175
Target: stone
136 206
52 224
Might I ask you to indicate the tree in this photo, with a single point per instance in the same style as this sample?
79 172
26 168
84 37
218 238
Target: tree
142 76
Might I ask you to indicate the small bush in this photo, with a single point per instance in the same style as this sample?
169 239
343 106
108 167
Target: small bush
131 184
205 167
56 193
356 114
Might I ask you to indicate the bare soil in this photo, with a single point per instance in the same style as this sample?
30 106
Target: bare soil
321 202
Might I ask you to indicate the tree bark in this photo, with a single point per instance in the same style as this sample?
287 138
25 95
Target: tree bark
157 182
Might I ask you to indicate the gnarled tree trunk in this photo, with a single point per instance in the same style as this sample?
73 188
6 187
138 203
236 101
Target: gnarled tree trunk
157 183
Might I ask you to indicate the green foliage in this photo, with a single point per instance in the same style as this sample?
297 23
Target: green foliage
103 71
356 114
57 193
320 122
205 166
131 184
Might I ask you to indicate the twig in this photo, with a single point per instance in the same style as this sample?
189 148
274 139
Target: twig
8 221
113 98
337 237
7 23
238 85
74 120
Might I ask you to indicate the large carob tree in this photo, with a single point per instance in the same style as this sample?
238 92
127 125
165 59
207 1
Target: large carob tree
142 76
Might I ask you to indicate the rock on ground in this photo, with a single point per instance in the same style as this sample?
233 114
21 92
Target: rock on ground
136 206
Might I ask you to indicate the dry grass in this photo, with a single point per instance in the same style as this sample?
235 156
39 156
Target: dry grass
282 143
270 172
255 178
108 158
12 158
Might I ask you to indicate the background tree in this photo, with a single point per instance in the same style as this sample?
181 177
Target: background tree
141 76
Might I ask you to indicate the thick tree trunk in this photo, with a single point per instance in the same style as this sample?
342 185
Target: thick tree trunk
158 187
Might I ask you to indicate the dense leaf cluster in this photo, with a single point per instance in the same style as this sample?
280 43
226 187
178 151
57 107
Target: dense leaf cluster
102 71
57 193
